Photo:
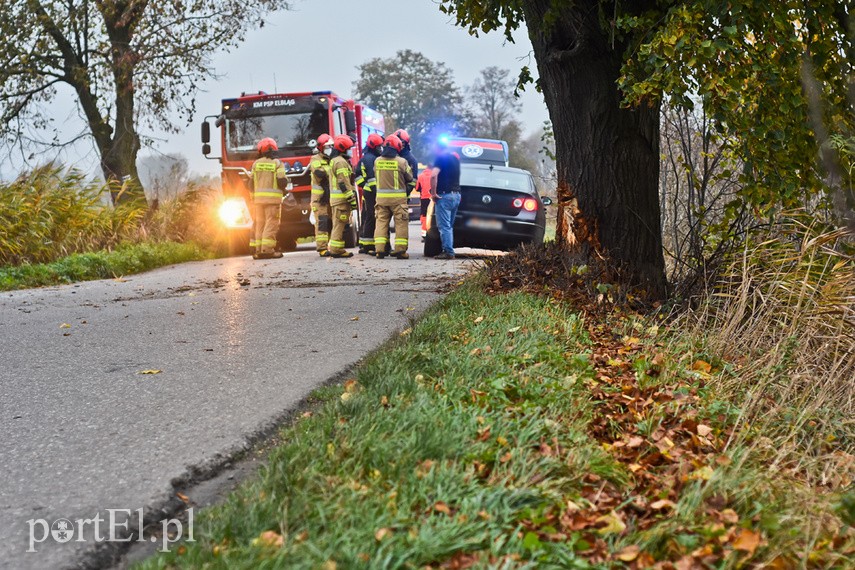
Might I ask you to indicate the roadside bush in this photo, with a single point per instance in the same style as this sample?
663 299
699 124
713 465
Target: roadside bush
784 314
51 213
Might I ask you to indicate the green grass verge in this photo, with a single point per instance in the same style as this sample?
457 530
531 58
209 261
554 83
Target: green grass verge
124 260
497 433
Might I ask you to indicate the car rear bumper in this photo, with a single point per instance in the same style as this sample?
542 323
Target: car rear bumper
512 234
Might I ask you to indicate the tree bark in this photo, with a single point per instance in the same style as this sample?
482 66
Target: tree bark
607 156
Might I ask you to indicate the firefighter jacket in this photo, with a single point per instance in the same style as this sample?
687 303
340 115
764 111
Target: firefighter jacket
266 174
341 192
365 170
394 177
423 184
408 155
322 177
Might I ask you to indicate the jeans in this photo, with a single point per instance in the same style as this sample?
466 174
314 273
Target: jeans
446 209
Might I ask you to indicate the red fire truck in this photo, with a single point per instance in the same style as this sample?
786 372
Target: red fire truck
294 121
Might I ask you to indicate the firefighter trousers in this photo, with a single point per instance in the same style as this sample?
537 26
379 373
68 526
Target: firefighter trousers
385 211
369 222
340 219
323 224
266 227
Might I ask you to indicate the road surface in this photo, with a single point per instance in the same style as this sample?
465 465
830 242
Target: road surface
238 343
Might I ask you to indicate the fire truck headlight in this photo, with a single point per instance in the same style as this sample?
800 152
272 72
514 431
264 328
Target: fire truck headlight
234 213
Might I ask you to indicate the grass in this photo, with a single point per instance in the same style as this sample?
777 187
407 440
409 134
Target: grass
124 260
58 228
506 431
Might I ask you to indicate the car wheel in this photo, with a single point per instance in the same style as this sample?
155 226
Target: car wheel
350 237
433 244
287 242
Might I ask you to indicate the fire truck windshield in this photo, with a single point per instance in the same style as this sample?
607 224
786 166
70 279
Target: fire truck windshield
292 132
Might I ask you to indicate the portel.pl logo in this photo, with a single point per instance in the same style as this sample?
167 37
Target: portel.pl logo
116 529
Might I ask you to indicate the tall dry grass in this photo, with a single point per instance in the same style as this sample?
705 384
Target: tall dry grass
51 212
784 313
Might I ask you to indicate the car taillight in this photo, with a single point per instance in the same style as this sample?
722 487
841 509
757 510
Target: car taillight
518 203
530 205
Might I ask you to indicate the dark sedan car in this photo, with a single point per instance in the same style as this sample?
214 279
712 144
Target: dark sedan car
499 209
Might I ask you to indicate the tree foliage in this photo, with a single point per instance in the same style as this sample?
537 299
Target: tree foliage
130 63
417 94
751 65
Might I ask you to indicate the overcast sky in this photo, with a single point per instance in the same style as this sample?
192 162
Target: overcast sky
342 34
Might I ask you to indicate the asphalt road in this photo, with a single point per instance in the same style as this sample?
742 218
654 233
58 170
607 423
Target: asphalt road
238 343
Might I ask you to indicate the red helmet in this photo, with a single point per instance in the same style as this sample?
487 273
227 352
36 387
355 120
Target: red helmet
395 143
266 145
324 140
374 140
342 143
403 135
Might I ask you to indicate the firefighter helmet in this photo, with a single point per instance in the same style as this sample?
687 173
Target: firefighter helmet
266 145
342 143
374 140
403 135
395 143
324 140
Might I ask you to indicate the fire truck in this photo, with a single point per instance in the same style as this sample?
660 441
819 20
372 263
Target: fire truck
294 121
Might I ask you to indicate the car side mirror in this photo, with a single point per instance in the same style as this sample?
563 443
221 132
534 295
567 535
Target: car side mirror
206 149
206 133
350 122
546 200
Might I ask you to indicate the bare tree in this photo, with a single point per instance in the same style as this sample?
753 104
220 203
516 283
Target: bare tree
128 62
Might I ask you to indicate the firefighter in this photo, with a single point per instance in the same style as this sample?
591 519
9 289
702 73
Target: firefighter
394 177
268 181
423 188
365 179
322 177
342 196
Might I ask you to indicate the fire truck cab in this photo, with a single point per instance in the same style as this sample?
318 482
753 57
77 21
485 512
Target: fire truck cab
294 121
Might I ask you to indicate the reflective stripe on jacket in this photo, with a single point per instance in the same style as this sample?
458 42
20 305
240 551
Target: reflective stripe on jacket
393 177
320 162
340 167
266 172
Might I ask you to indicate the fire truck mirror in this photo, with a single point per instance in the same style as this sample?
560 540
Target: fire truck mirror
206 133
206 149
350 121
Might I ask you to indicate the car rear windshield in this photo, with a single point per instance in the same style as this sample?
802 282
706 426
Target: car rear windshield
496 178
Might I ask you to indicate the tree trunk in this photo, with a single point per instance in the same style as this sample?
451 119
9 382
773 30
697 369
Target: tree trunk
119 163
607 157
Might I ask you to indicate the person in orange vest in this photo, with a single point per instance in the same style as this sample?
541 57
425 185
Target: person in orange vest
423 188
268 181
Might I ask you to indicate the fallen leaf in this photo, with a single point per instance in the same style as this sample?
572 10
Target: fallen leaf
614 524
330 565
382 533
346 396
662 504
183 497
475 352
703 474
747 541
441 507
152 371
351 386
513 330
478 320
704 430
635 441
354 318
505 458
269 538
629 553
384 401
729 516
702 366
65 326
